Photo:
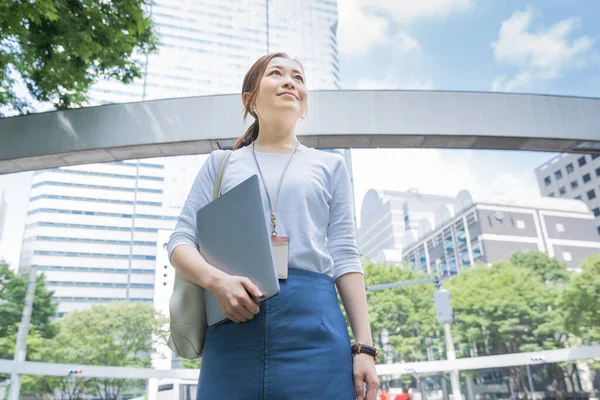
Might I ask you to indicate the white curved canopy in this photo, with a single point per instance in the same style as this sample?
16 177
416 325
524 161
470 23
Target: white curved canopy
337 119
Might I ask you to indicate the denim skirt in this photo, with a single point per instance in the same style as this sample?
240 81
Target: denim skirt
296 347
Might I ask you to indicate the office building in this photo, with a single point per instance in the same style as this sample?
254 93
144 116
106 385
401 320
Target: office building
480 228
387 217
92 230
572 176
206 46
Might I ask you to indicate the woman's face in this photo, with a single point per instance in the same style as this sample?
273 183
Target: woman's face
282 92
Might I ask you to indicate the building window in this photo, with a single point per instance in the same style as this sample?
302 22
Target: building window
562 190
591 194
471 218
547 181
570 168
520 224
567 256
558 174
598 229
586 178
582 161
598 171
578 197
560 228
596 211
594 156
574 185
551 194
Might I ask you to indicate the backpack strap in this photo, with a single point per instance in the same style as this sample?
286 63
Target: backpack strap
220 173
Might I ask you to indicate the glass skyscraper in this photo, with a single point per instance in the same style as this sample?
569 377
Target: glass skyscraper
206 46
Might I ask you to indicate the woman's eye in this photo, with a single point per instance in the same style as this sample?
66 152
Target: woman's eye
275 71
300 78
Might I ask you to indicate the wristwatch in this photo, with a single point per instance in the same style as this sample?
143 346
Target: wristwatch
366 349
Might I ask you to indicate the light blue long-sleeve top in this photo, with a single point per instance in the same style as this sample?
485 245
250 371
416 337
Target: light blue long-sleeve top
315 208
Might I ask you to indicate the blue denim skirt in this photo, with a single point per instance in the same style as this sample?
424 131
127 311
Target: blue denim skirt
296 347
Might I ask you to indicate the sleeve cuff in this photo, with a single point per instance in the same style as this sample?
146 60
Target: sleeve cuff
175 242
347 269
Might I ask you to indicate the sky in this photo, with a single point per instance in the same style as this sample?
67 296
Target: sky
546 47
549 47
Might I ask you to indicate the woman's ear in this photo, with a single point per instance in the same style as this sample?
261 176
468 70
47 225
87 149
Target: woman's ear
245 98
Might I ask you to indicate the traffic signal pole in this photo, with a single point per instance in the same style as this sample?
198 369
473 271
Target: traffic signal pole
445 316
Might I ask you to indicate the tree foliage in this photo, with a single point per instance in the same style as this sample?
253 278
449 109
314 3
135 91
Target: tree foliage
581 302
116 334
548 268
510 307
61 47
505 308
12 300
405 314
191 364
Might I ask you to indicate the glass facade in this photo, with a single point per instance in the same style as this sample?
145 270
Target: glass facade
206 47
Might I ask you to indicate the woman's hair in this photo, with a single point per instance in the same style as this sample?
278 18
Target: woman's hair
251 85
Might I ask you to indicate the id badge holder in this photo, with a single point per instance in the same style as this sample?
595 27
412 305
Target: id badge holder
280 247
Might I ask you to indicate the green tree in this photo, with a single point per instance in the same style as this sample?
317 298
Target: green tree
406 314
61 47
507 308
12 299
116 334
548 268
580 302
191 364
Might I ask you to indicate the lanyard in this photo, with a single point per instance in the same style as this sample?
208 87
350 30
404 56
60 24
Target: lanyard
273 204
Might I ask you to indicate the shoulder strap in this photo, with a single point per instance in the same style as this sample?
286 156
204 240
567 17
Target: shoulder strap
220 173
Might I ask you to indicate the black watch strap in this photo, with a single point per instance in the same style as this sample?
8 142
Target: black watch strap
366 349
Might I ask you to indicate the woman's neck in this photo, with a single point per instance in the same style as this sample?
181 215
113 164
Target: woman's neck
275 139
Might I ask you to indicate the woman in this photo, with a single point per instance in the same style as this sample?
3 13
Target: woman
294 345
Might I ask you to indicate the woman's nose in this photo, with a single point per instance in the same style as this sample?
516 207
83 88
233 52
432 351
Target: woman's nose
289 84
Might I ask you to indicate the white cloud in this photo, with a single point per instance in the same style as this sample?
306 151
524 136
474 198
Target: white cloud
514 184
358 30
364 24
416 84
391 84
406 43
544 54
405 11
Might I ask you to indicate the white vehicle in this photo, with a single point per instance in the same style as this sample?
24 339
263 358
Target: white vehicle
177 389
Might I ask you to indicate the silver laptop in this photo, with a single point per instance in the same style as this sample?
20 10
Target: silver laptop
233 237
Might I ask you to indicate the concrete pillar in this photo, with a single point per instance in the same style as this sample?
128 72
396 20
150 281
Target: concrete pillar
470 388
444 385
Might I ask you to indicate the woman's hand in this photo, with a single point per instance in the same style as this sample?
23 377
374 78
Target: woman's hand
232 293
364 372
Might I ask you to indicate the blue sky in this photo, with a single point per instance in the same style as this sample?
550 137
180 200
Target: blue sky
471 44
549 46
